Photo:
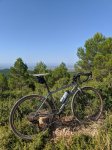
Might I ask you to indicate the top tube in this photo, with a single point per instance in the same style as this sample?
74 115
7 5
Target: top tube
63 87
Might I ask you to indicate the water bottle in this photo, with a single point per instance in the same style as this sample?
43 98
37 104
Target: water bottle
64 97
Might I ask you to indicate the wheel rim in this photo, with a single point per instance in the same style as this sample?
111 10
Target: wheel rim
25 117
87 104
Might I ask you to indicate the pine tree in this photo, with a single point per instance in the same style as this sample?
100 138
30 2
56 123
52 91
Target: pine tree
18 77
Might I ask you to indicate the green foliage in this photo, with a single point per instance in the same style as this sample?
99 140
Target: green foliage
61 145
96 56
8 141
49 146
40 141
102 66
60 72
82 142
18 77
3 82
102 140
40 68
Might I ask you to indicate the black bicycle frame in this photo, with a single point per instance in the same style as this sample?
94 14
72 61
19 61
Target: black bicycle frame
50 93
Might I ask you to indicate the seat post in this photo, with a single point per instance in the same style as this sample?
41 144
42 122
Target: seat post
47 86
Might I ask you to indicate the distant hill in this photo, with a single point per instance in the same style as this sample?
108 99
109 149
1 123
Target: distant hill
4 71
52 67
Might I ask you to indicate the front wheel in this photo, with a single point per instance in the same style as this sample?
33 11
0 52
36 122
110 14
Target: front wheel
30 115
87 104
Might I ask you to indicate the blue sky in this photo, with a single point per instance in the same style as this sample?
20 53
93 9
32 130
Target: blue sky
50 30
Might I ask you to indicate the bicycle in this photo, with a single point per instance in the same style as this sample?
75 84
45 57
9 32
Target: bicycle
33 113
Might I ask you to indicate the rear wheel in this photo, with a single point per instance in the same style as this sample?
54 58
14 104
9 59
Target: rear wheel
29 116
87 104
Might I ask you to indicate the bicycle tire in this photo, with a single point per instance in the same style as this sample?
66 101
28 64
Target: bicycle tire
84 102
29 105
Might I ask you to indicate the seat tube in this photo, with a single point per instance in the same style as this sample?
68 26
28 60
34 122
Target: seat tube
47 87
51 97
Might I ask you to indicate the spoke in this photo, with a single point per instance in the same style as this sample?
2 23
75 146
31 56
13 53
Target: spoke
28 120
87 104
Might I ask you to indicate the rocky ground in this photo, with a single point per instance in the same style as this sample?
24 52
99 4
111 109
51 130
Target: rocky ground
67 127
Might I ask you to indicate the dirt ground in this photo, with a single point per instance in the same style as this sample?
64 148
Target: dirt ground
67 127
